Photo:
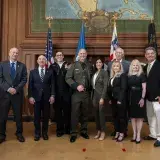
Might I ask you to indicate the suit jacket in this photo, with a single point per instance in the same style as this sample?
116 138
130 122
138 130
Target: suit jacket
5 77
37 88
125 65
118 90
101 83
153 81
75 75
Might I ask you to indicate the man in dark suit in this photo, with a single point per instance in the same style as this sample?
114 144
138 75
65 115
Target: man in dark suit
153 95
119 53
41 93
13 77
63 95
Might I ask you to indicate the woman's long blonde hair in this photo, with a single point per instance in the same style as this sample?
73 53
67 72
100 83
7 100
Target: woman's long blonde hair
130 73
112 74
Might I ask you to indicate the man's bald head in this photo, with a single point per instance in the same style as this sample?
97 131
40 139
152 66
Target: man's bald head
82 55
13 54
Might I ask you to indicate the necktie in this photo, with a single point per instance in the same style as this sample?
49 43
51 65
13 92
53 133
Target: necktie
42 74
13 71
148 69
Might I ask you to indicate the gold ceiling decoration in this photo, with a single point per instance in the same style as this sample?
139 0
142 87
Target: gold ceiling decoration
99 20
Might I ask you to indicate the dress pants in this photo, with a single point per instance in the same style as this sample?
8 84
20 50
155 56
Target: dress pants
41 107
119 113
153 115
79 110
62 112
16 102
99 111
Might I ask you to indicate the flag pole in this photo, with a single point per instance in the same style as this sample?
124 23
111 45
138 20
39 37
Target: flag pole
49 43
152 20
115 17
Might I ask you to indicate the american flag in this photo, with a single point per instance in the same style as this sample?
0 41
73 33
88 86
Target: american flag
48 50
114 43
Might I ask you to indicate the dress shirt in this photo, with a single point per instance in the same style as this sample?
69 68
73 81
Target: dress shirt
39 70
15 64
94 79
150 65
60 64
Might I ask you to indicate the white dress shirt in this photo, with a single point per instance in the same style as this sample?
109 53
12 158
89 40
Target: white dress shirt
151 64
94 79
60 64
39 70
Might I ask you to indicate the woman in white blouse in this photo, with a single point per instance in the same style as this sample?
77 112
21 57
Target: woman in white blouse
99 84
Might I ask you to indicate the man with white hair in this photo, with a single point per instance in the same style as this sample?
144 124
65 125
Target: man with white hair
13 77
119 54
41 93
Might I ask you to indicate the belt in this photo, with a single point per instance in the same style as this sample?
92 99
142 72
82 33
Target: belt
136 88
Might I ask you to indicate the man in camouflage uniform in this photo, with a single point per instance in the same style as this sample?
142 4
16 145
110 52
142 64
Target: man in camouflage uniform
79 79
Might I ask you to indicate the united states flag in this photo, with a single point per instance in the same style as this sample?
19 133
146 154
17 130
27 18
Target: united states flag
114 43
48 50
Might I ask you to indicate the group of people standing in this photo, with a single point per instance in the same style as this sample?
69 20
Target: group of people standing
126 86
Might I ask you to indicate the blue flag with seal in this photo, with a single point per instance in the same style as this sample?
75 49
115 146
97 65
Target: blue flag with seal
81 42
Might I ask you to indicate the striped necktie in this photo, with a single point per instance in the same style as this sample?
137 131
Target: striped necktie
148 69
42 74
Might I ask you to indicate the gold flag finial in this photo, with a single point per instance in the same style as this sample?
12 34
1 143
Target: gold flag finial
49 18
115 17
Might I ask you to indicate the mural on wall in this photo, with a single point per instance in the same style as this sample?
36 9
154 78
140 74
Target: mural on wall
75 9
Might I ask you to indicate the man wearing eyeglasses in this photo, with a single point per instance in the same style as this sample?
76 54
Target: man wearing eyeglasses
63 96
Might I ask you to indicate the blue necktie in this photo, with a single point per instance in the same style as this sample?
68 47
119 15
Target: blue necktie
13 71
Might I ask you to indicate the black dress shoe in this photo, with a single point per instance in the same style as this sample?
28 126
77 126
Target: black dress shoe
148 138
137 142
73 139
157 143
67 131
45 136
20 138
60 134
36 137
85 135
133 140
2 140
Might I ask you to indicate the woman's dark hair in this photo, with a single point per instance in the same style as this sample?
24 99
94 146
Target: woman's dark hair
98 58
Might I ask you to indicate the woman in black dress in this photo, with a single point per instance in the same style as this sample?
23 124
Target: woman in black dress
117 90
137 91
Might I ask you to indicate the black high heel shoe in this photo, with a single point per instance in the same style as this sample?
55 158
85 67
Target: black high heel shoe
137 142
